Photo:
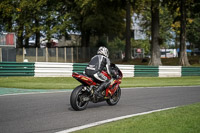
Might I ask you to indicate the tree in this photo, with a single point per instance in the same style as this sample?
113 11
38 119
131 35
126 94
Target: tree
128 32
6 10
193 33
174 6
56 18
155 47
183 60
97 18
193 26
161 23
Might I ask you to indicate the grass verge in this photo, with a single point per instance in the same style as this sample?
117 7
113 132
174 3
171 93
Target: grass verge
70 83
184 119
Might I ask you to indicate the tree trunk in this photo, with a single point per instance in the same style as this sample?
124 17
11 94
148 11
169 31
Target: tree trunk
26 42
85 39
37 39
128 31
155 47
20 41
183 59
20 36
9 23
37 34
176 43
26 37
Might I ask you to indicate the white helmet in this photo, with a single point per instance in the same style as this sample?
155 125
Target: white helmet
103 51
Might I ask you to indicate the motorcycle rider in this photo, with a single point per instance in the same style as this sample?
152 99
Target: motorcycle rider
98 63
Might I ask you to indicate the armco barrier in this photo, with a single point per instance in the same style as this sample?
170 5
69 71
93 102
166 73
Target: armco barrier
51 69
169 71
48 69
190 71
16 69
127 70
146 71
79 67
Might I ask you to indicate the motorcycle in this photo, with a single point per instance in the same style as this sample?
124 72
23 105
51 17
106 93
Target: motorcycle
84 93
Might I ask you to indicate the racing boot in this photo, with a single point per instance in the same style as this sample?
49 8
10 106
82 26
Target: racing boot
101 88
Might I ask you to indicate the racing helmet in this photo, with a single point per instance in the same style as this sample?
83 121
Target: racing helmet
103 51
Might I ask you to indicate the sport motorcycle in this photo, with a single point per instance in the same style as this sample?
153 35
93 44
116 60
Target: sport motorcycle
84 93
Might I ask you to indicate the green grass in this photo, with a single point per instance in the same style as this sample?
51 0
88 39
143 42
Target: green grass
70 83
38 82
155 81
184 119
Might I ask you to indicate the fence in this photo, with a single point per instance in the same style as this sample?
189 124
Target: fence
64 55
52 69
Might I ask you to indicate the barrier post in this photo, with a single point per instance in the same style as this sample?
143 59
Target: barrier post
72 54
56 54
24 52
36 54
46 54
76 54
65 54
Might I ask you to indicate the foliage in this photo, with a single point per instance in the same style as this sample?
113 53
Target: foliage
141 44
193 32
117 44
166 21
193 27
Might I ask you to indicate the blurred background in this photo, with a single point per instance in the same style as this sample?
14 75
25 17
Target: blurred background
147 32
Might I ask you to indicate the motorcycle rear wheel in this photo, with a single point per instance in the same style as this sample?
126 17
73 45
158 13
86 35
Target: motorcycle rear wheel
115 98
76 98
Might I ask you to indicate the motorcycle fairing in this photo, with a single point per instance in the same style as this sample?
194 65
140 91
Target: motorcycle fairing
112 88
83 79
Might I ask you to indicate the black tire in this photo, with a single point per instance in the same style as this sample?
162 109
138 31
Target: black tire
76 100
115 98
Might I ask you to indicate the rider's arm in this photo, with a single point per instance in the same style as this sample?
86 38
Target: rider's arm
108 66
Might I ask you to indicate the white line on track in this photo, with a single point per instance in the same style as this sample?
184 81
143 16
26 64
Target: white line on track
110 120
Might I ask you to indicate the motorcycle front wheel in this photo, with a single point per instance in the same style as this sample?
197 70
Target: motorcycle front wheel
115 97
77 98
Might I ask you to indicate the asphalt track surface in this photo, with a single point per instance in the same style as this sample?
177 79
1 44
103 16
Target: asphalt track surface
51 112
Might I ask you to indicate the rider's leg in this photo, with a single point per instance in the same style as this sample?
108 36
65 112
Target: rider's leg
105 82
103 86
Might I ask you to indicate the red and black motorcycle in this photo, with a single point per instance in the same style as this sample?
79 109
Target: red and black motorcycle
84 93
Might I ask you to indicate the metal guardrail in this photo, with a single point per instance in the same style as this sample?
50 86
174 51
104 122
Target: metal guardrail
79 67
190 71
127 70
146 71
170 71
52 69
16 69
